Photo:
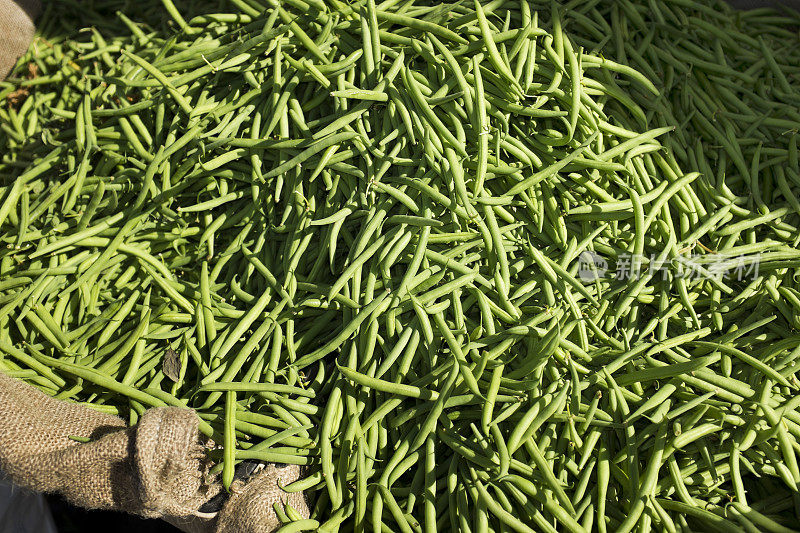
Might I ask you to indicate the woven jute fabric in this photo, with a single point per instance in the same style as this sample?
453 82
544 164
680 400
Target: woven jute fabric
157 469
250 506
16 30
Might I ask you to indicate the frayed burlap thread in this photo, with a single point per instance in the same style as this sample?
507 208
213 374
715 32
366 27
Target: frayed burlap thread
16 30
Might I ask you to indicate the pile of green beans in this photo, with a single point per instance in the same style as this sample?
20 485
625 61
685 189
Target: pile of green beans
353 236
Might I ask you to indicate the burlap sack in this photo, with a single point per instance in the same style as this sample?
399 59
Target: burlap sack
155 469
250 506
16 30
158 469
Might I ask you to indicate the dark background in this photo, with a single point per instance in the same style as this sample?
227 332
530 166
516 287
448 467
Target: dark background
70 519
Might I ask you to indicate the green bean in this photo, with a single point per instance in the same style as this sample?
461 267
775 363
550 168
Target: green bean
230 439
388 387
494 507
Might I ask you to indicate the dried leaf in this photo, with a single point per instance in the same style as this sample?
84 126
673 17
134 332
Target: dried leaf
171 366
